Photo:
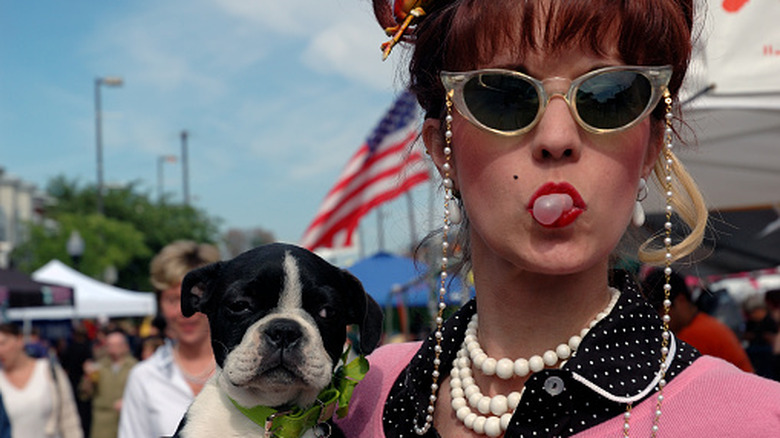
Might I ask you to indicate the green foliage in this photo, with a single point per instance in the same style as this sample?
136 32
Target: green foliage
133 229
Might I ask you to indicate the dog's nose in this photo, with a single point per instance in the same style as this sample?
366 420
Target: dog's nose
283 334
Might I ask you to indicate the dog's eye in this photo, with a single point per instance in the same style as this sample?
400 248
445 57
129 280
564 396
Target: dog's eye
238 306
327 312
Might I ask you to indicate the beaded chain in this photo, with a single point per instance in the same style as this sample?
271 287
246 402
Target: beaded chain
668 258
448 198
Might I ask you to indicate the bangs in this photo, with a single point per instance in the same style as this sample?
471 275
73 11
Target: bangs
469 34
481 32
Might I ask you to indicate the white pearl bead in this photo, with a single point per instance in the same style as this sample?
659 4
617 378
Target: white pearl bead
513 400
521 367
499 405
483 406
458 403
505 369
463 412
479 360
469 420
479 425
489 366
536 363
550 358
493 427
563 351
505 419
574 342
457 393
474 399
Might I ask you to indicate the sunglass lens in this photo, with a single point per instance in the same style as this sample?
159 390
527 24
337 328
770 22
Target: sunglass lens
501 101
613 99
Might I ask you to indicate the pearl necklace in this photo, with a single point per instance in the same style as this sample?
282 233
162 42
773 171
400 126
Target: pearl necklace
506 368
497 410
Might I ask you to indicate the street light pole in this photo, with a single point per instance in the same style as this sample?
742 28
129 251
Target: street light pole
111 82
160 161
75 248
185 169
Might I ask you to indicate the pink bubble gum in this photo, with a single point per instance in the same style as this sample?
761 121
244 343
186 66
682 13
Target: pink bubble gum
548 208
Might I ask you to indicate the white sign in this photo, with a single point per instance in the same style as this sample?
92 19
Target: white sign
743 48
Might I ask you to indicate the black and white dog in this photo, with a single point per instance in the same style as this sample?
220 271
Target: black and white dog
278 316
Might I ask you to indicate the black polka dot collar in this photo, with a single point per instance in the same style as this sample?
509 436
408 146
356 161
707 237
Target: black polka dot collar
616 363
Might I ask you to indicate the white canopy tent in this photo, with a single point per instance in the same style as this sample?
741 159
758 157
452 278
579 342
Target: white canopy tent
92 298
731 103
733 107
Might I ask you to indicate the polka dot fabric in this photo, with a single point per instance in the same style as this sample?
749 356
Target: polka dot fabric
618 359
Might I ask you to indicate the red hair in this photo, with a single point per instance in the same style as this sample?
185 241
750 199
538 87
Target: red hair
461 35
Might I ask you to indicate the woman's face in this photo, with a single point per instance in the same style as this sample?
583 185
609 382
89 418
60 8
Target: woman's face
499 177
11 348
192 330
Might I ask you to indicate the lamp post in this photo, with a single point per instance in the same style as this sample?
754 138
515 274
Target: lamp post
75 248
185 169
110 81
160 160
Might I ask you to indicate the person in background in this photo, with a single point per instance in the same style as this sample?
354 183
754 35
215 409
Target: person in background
773 304
72 359
5 425
760 333
149 345
38 395
160 389
704 332
104 382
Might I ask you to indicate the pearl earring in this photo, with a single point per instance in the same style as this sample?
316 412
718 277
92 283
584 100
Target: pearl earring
638 218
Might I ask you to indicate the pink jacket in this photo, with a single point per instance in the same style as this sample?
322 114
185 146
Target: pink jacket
710 398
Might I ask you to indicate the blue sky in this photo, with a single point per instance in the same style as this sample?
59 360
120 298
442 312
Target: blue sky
275 95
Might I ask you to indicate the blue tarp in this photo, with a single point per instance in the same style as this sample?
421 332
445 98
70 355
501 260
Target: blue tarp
383 273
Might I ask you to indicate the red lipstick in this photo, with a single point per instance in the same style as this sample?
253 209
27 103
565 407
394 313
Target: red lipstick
559 206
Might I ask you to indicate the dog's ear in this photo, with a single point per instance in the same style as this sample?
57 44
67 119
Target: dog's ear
196 292
365 312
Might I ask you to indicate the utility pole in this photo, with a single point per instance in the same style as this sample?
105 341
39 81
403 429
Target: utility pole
185 169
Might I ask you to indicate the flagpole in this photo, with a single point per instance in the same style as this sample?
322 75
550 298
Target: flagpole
412 227
380 229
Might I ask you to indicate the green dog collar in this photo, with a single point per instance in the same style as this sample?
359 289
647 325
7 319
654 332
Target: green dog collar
292 423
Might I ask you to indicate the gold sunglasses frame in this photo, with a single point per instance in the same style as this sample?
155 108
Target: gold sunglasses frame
658 76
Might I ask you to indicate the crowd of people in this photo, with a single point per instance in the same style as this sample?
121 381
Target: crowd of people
111 378
120 379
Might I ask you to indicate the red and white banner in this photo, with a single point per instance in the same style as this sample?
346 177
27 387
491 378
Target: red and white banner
384 167
743 45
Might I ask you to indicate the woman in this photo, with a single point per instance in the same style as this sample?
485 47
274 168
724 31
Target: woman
160 389
544 119
36 392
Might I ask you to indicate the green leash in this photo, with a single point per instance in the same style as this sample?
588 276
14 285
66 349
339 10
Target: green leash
292 423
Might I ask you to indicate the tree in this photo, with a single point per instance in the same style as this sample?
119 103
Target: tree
133 230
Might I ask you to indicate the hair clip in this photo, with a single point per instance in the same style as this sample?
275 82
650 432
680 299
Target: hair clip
404 11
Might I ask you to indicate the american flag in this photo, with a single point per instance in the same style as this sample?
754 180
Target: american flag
382 168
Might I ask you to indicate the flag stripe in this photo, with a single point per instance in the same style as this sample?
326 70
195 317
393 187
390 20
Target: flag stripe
350 222
392 165
382 168
387 182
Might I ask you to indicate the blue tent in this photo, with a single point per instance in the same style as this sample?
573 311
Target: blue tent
384 273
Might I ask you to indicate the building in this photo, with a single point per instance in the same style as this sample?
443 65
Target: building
20 204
